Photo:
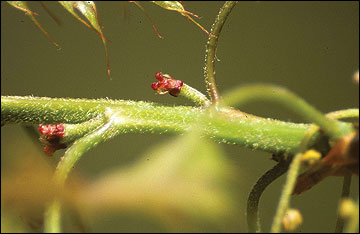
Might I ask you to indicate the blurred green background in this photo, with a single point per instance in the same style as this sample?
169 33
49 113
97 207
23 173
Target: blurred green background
312 48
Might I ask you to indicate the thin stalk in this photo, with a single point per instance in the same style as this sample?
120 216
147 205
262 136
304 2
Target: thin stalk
265 180
344 194
210 53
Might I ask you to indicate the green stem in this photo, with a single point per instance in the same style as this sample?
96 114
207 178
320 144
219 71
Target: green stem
72 155
209 69
295 166
52 217
224 125
256 192
344 194
285 195
76 131
333 128
194 95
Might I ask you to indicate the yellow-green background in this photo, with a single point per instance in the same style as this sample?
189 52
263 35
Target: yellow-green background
312 48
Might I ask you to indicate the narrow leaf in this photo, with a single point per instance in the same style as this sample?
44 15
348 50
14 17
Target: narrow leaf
178 6
148 17
88 10
22 5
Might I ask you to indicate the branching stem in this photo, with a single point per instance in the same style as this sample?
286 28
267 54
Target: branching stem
294 170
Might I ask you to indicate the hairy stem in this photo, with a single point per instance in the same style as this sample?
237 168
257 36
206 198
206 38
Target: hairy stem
223 125
194 95
260 92
209 69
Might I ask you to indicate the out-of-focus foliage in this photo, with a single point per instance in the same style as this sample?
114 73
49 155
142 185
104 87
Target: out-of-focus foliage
188 175
176 181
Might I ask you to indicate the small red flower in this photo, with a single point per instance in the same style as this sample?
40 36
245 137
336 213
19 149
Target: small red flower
51 131
51 136
167 84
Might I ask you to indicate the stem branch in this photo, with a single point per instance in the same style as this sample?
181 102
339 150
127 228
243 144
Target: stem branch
209 69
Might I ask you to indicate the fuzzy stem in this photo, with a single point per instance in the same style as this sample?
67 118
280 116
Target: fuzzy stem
209 69
224 125
331 127
194 95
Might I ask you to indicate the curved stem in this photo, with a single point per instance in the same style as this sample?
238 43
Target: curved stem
331 127
209 69
256 192
52 222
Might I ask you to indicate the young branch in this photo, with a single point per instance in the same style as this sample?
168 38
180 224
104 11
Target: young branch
210 53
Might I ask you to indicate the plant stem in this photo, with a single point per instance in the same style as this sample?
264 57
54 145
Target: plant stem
256 192
295 166
333 128
194 95
72 155
52 217
224 125
209 69
344 194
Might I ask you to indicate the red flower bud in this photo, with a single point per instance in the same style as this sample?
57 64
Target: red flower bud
51 136
166 84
